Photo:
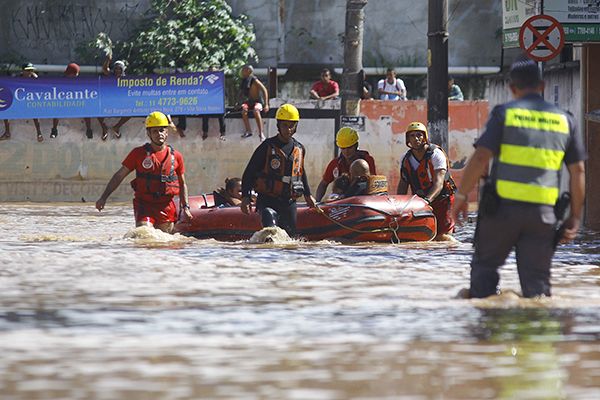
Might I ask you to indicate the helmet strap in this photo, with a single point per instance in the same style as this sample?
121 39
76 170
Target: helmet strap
152 140
425 136
295 126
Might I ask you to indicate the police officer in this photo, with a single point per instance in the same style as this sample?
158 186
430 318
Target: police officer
276 173
528 139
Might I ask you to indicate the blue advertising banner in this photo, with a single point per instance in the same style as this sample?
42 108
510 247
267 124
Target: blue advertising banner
177 94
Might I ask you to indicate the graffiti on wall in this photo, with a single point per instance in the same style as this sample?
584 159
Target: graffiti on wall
52 26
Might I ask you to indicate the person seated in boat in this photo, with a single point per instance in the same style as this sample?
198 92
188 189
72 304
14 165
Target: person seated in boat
347 140
340 185
230 195
363 183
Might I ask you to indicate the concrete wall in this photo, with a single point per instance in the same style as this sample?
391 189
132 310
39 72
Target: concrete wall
287 31
48 31
562 88
74 168
310 31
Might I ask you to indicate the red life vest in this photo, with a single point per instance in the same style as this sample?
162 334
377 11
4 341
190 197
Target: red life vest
422 178
160 182
343 167
281 175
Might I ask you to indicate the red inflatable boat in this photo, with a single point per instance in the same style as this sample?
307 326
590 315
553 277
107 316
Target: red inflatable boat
360 218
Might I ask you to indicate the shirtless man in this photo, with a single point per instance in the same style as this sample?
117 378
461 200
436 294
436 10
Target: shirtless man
251 89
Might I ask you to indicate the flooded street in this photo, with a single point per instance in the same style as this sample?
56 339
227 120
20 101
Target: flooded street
88 314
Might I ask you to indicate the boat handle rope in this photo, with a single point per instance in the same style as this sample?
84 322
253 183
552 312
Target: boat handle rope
390 228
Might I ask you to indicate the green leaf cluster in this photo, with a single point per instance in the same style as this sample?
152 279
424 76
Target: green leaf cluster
187 35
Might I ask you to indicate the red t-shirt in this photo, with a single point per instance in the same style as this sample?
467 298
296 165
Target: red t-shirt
136 157
325 90
339 166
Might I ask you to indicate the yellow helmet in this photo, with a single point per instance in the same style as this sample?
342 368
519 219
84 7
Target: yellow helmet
346 137
287 112
156 118
417 126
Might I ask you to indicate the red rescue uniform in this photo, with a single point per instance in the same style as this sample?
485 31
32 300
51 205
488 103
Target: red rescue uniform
156 182
339 166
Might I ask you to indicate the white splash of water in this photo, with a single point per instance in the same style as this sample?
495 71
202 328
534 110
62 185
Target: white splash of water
152 235
273 234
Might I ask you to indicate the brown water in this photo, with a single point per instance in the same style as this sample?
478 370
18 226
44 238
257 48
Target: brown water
88 314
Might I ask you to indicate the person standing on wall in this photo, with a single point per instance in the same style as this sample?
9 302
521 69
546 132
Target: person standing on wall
159 171
426 170
528 140
276 172
391 88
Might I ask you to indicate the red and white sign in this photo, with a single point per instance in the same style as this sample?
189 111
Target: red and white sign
542 37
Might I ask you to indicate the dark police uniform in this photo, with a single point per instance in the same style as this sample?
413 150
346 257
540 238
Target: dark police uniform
530 139
274 169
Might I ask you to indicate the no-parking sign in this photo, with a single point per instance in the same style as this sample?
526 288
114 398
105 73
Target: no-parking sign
542 37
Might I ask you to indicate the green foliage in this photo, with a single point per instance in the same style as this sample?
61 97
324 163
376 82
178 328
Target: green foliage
187 34
104 43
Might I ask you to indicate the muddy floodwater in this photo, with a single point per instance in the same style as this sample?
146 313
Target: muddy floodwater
92 309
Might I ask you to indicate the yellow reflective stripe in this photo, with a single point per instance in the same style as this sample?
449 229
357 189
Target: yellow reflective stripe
539 120
526 192
531 157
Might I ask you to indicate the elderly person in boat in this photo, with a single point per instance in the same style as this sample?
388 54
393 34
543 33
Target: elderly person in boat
347 140
363 183
230 195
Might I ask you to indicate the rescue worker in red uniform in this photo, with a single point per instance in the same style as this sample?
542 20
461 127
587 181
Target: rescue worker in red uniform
159 177
347 140
276 172
426 170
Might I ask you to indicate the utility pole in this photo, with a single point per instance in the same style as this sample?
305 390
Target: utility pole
437 73
353 49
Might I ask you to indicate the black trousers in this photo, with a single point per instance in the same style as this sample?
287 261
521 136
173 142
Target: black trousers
527 228
182 122
221 118
278 212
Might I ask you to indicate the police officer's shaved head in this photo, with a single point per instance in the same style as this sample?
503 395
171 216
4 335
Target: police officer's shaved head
359 168
525 74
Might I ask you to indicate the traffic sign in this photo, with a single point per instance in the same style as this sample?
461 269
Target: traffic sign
542 37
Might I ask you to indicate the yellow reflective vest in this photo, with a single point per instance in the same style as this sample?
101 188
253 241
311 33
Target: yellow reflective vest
532 149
